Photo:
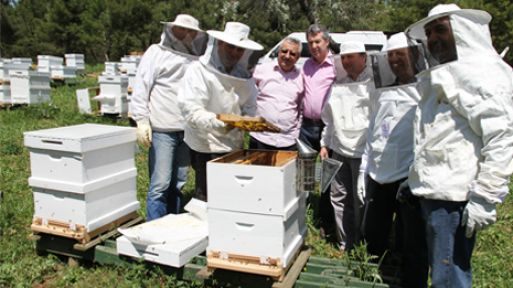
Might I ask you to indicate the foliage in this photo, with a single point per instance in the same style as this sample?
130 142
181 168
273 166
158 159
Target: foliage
108 29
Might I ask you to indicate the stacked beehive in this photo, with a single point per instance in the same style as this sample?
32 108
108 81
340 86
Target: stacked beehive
254 208
76 61
113 94
22 64
28 86
83 177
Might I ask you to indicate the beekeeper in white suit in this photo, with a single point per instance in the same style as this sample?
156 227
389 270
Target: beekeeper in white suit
219 83
463 137
154 107
388 155
346 116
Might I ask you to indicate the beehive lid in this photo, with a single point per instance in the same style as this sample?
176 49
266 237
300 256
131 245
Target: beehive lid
79 138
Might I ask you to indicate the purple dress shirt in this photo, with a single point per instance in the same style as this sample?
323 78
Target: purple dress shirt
317 79
278 101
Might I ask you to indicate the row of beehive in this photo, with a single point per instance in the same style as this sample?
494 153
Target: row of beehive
82 176
255 210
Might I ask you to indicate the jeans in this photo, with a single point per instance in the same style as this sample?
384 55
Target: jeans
168 164
449 250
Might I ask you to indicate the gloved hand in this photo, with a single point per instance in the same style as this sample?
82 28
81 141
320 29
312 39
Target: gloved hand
144 132
478 214
209 121
404 194
361 187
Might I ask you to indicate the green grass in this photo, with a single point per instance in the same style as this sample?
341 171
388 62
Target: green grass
20 266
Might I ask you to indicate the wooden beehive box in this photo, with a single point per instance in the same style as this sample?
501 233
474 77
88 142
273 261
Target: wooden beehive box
254 181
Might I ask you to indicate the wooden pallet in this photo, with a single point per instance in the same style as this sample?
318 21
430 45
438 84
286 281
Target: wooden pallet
79 232
252 265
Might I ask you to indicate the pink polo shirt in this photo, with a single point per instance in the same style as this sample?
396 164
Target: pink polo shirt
317 79
278 101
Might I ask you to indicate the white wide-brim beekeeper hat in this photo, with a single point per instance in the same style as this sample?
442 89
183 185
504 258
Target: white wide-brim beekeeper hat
416 30
185 21
349 47
237 34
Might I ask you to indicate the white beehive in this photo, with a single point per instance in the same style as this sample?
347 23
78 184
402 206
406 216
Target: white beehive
4 70
90 205
257 235
254 208
45 62
27 62
63 72
29 87
80 153
5 92
9 64
83 174
129 64
113 94
75 60
111 68
267 186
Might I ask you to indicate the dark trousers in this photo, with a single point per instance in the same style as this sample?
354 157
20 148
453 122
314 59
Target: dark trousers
310 134
256 144
199 164
379 215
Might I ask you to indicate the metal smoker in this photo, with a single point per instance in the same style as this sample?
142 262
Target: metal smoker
305 179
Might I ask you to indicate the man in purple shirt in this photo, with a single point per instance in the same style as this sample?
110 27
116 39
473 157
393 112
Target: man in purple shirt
318 76
280 91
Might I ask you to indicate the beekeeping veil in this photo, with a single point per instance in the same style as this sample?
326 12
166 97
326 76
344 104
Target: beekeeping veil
398 63
188 45
235 35
236 81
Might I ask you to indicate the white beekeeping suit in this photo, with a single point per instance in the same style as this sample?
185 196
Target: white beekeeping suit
464 127
346 114
154 100
389 150
208 90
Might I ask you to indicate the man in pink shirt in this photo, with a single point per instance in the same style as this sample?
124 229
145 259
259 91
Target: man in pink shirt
318 76
280 91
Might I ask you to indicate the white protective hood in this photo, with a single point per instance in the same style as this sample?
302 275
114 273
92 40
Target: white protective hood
464 124
157 80
206 91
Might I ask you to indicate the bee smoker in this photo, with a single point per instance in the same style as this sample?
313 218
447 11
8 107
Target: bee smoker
305 177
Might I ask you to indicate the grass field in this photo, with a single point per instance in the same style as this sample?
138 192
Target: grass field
20 266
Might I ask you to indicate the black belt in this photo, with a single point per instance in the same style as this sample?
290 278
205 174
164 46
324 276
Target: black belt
312 122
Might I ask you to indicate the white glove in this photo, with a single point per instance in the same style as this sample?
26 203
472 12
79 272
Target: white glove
209 120
144 132
478 214
361 187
